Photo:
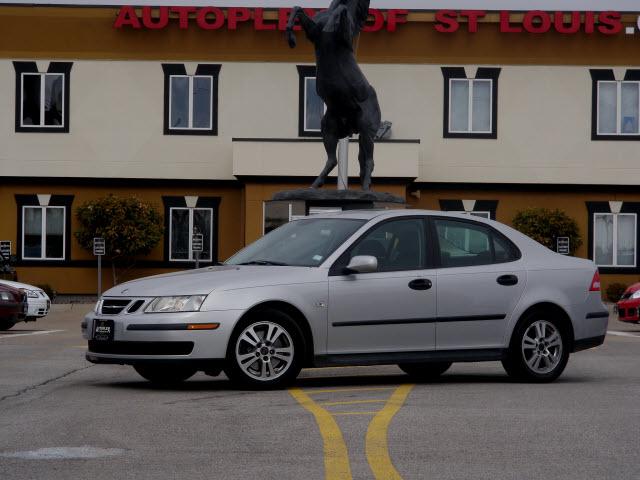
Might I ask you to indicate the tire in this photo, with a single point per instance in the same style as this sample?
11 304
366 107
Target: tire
265 351
539 350
165 374
425 371
6 324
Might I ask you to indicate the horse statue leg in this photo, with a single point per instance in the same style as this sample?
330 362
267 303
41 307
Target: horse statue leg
330 140
307 25
365 158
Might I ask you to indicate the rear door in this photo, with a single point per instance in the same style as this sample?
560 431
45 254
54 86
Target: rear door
392 309
480 281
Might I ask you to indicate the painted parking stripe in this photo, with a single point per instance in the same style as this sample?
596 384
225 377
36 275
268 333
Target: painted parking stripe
336 457
377 448
43 332
623 334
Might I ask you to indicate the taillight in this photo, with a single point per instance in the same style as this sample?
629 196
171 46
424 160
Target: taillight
595 283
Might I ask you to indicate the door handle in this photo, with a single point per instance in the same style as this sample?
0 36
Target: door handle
420 284
507 280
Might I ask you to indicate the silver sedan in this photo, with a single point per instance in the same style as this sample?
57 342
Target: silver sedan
415 288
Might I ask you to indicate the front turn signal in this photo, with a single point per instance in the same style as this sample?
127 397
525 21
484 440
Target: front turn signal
203 326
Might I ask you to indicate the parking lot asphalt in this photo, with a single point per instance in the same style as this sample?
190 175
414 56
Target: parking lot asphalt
62 418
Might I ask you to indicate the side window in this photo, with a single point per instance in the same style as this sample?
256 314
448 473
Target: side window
398 245
464 244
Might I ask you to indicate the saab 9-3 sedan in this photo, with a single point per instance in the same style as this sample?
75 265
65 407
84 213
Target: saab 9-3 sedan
414 288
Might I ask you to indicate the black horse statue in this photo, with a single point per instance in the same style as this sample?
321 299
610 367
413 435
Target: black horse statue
352 104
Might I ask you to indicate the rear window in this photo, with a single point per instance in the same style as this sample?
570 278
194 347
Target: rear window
465 244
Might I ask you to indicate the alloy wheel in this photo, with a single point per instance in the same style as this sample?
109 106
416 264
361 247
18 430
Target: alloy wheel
264 351
542 347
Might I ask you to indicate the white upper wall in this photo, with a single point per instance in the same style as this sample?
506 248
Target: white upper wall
116 126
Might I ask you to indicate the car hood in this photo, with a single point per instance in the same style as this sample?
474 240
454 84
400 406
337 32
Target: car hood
206 280
19 285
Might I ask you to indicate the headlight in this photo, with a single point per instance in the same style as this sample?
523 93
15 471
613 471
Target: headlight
636 294
31 293
175 304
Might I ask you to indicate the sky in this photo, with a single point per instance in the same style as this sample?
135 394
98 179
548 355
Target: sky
552 5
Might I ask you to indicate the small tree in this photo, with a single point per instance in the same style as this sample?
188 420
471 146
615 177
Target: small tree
129 226
545 226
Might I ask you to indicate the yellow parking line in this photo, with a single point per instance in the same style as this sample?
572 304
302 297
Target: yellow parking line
377 448
336 457
340 390
353 413
351 402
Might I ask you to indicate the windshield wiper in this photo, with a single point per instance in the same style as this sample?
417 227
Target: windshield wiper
265 263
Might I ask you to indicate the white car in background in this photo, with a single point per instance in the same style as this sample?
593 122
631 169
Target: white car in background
38 301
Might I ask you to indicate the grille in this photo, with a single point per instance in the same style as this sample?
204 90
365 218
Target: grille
141 348
135 306
113 307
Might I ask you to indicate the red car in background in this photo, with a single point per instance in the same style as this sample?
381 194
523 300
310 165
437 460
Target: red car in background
629 304
13 306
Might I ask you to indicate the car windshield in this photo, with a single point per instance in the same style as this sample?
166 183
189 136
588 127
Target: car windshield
303 243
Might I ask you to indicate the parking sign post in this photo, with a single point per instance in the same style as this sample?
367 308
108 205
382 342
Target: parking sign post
99 251
197 244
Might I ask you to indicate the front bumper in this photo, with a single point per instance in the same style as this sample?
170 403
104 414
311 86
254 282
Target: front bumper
38 307
158 342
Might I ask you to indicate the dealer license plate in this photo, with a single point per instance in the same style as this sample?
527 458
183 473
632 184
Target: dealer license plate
103 330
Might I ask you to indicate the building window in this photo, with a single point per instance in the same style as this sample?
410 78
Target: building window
312 107
42 99
486 215
618 107
44 227
186 217
614 243
191 101
470 104
43 233
615 105
185 223
477 208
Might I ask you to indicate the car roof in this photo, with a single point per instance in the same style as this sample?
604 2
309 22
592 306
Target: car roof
388 213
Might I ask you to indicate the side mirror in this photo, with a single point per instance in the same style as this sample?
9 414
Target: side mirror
362 264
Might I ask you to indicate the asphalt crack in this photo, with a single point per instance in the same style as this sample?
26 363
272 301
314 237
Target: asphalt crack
42 384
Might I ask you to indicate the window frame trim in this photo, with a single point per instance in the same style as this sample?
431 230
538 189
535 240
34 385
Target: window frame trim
43 257
615 239
471 82
43 88
618 84
211 233
190 103
304 103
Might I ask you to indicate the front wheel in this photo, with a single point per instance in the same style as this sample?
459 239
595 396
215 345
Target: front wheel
265 350
539 351
6 324
165 374
425 371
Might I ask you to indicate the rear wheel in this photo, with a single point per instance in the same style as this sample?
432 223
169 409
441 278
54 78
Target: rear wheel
425 371
265 350
6 324
165 374
539 350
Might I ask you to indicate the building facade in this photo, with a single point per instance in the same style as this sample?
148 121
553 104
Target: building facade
206 113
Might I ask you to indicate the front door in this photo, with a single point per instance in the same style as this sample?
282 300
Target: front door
392 309
480 281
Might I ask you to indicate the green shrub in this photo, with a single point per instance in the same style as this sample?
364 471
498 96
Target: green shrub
130 227
545 226
615 291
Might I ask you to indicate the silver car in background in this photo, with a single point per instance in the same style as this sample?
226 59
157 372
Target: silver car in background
415 288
